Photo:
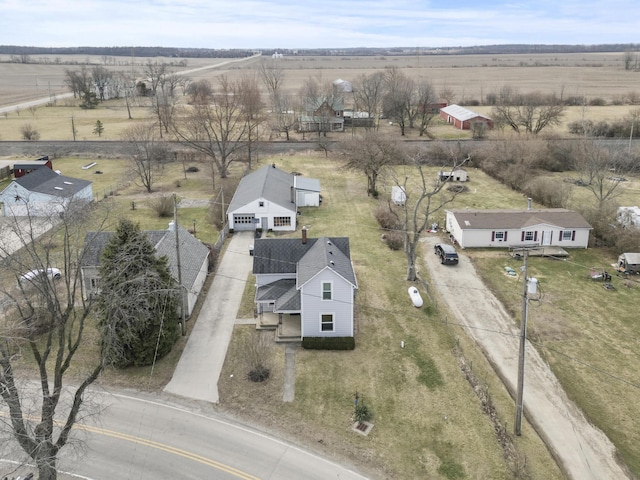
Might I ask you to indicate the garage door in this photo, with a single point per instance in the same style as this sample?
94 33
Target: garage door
243 222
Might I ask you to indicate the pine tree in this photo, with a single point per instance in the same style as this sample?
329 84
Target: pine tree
138 300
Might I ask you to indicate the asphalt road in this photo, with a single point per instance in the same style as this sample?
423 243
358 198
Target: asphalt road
156 439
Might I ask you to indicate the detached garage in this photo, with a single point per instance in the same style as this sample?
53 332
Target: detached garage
269 198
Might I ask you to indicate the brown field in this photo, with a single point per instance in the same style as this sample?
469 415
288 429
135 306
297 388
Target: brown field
471 77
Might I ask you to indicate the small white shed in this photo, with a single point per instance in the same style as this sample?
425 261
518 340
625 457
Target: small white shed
398 195
458 175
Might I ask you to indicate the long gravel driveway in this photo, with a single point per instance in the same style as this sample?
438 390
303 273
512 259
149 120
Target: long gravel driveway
583 451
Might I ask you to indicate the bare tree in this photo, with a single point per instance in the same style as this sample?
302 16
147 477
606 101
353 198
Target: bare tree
101 78
368 91
530 112
252 109
602 168
272 76
147 152
398 98
425 105
372 154
217 129
78 81
200 92
422 202
45 315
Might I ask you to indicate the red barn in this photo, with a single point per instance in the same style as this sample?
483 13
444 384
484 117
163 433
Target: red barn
462 118
20 169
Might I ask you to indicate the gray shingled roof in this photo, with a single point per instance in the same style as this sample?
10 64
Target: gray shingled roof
324 254
515 219
192 252
283 292
281 255
45 180
269 183
288 255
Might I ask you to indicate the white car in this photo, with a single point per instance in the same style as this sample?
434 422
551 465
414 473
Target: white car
52 273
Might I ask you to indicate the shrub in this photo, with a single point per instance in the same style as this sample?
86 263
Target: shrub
597 102
386 218
29 132
192 169
329 343
163 205
394 239
361 412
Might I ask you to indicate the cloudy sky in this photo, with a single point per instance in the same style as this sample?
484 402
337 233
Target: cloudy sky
316 24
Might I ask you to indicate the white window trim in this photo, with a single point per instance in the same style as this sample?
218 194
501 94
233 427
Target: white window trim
529 234
333 322
322 284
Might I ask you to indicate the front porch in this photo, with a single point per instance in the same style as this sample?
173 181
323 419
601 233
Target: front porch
287 327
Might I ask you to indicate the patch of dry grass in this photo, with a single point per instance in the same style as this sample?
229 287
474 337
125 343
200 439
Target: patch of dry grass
428 420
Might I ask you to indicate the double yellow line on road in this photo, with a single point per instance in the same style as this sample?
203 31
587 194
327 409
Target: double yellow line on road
161 446
167 448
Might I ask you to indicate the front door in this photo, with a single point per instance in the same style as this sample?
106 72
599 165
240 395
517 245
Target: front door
546 237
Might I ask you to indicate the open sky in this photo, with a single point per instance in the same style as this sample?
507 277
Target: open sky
316 24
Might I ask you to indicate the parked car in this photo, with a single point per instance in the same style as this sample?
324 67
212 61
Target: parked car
51 273
447 254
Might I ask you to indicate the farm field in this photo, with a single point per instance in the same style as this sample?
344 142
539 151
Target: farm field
470 77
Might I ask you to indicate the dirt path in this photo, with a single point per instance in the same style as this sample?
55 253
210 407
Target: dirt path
581 449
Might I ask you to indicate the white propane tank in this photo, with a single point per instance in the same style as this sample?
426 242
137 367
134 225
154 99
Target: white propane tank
532 286
416 299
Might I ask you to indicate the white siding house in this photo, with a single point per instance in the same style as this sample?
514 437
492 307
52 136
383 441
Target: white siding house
43 193
310 281
508 228
269 198
194 261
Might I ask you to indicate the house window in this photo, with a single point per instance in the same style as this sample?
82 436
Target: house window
567 235
95 283
261 203
327 291
500 236
326 322
528 236
281 221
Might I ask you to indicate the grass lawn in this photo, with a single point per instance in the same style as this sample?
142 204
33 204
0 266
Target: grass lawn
428 418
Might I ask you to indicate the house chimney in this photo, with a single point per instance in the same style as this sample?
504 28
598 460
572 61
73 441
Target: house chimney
529 203
304 235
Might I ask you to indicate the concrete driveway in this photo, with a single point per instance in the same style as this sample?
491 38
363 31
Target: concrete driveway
582 450
16 232
198 370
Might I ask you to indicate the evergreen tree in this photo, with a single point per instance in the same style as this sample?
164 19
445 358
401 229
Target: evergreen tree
138 300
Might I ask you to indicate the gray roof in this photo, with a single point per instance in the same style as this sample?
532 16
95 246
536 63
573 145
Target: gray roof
45 180
308 184
517 219
324 254
283 292
269 183
193 253
288 255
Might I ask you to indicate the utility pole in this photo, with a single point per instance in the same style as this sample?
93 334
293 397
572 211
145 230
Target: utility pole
523 341
175 228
